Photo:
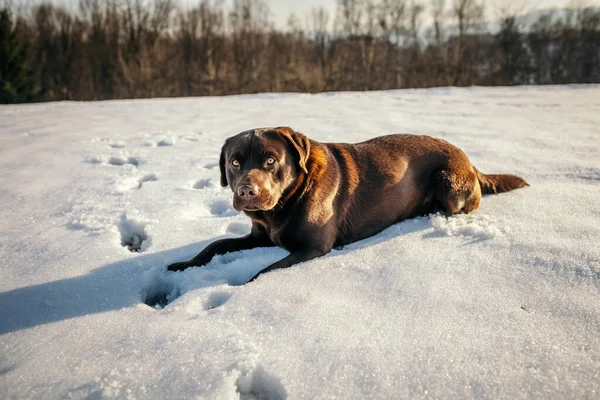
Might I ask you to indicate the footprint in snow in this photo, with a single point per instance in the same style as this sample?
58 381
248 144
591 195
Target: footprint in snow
222 208
211 165
147 178
164 143
259 384
217 299
238 228
133 234
159 289
201 184
135 183
121 160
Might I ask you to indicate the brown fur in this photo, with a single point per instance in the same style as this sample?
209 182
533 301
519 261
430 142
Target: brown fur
316 196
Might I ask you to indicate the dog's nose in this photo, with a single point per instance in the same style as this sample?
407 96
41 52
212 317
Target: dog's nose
247 191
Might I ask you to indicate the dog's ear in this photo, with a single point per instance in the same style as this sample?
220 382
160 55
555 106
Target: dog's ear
300 143
222 161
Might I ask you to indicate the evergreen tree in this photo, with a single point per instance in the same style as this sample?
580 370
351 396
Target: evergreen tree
19 80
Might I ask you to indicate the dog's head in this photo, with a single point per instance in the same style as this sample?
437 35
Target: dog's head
259 165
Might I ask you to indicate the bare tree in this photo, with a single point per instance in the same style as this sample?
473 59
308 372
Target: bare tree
318 26
466 13
414 50
350 15
248 23
199 36
142 48
392 18
512 64
438 8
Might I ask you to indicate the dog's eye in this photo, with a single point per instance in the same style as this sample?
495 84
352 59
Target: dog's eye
235 163
270 161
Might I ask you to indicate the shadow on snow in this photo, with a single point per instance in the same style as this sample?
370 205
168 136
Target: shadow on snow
144 279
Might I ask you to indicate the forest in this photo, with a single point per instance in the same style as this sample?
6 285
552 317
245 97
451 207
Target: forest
114 49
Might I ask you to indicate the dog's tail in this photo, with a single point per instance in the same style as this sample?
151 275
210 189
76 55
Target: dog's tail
499 183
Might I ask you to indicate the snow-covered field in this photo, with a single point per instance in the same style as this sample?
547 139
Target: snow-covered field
500 303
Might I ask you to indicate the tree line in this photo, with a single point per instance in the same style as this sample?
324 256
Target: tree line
110 49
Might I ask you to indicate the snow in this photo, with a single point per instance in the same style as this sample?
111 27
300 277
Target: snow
500 303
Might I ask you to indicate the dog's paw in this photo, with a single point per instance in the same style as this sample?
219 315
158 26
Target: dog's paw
178 266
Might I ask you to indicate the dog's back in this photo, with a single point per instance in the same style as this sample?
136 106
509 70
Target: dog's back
390 178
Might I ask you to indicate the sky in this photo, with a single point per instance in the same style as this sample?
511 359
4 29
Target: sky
281 9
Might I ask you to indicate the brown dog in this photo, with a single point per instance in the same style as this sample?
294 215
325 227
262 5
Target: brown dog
309 197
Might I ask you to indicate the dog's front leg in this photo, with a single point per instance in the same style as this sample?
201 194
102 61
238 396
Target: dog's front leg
293 258
223 246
